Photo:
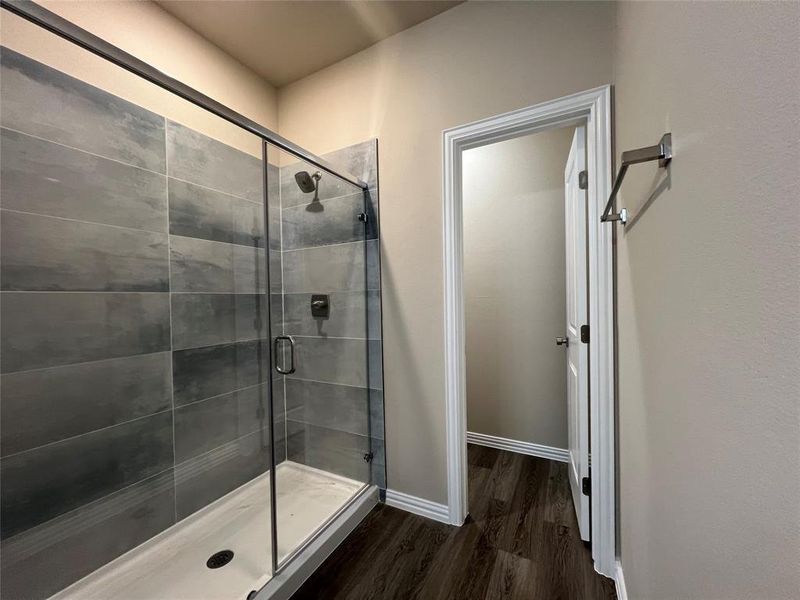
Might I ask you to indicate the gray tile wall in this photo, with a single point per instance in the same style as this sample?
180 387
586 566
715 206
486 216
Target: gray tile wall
132 373
334 400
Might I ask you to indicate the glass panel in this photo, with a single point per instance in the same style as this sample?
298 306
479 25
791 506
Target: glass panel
361 160
134 348
319 277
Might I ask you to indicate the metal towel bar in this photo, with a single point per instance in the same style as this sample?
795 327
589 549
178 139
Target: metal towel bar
662 152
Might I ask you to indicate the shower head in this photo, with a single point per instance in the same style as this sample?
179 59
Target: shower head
307 183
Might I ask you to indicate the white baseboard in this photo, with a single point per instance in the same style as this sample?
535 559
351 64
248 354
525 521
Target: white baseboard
528 448
418 506
619 580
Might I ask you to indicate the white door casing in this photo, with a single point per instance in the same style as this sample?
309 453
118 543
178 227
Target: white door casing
591 108
577 315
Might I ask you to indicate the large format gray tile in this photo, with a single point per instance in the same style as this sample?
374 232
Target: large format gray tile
335 451
200 373
197 158
275 272
340 407
47 405
375 367
41 484
273 180
199 212
276 314
200 266
331 360
42 101
274 205
207 424
203 266
330 269
49 253
360 160
279 402
41 561
50 329
49 179
350 315
376 414
336 223
209 476
209 319
274 217
249 270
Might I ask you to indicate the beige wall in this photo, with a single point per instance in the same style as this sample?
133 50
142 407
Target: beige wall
709 301
515 287
708 277
151 34
473 61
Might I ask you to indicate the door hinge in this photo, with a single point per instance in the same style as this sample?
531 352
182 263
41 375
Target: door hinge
363 217
368 457
583 180
585 334
586 486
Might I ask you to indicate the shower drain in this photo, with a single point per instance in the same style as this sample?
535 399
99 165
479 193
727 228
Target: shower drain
219 559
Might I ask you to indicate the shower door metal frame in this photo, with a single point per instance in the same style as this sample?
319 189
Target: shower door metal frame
38 15
49 21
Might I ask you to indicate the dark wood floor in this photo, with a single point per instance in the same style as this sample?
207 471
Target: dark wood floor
520 541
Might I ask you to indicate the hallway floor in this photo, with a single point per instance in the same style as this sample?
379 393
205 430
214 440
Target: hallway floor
520 542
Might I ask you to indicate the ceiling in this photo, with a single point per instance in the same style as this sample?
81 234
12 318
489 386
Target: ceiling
285 40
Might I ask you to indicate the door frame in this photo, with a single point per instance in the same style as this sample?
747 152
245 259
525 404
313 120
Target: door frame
593 108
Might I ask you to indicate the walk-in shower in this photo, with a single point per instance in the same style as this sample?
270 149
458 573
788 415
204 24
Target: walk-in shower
191 365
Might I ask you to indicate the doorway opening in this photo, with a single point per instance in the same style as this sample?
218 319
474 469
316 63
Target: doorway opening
525 301
586 179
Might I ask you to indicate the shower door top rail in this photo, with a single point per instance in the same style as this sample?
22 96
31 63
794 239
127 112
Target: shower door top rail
30 11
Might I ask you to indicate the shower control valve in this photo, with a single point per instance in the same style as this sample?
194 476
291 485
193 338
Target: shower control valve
320 306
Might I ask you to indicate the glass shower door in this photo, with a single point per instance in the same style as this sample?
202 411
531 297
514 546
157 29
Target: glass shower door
319 277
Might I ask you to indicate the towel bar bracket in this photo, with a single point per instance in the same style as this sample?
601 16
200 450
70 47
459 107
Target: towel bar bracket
662 152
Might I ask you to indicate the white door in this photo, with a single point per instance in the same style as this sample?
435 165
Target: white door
577 315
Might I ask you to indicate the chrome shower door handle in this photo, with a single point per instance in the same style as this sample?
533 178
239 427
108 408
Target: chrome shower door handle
562 341
278 366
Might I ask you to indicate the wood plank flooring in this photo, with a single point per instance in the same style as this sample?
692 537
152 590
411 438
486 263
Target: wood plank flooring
520 542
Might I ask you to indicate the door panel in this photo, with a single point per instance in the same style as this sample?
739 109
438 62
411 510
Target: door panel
577 315
320 278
